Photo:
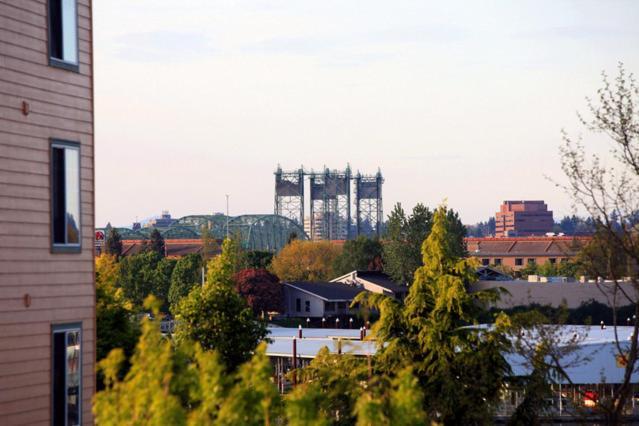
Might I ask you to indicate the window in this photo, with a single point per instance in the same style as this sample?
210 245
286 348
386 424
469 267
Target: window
65 196
531 261
485 262
341 305
519 261
563 260
329 306
552 260
497 261
67 373
63 34
307 306
298 305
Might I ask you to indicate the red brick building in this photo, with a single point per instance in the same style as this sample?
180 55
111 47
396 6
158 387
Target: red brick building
523 218
517 252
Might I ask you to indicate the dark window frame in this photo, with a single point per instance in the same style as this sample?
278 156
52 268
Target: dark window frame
57 62
58 329
58 247
298 304
307 306
519 261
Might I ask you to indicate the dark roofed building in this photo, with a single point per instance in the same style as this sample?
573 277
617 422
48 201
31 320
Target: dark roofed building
375 282
318 298
174 248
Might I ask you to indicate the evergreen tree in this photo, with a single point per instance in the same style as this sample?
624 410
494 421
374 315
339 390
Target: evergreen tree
156 243
144 274
303 406
185 276
430 333
210 247
360 254
113 243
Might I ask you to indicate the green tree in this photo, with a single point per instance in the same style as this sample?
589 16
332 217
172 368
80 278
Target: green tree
185 276
217 317
210 247
113 243
254 400
115 323
143 397
362 254
257 259
144 274
429 332
404 236
303 406
156 243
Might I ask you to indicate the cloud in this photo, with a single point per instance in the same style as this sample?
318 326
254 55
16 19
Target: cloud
164 46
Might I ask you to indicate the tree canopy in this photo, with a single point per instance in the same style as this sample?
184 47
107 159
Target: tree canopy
306 261
261 290
186 275
113 243
362 253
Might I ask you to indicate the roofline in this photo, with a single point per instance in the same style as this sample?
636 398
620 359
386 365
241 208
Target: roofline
315 294
545 238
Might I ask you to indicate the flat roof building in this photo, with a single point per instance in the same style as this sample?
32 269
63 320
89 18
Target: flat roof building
523 218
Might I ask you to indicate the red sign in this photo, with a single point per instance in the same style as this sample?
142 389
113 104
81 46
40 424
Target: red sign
99 235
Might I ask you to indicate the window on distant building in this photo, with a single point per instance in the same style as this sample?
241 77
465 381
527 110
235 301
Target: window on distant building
552 260
298 305
65 196
532 261
329 306
564 260
519 261
63 34
67 374
485 262
341 305
498 261
307 306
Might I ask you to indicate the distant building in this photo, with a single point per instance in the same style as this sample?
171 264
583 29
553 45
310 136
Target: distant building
517 252
318 299
164 221
375 282
523 218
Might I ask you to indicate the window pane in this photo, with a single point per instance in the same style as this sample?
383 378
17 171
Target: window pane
58 378
73 378
58 195
72 178
69 31
55 28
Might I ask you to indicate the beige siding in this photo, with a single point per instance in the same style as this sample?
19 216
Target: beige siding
60 285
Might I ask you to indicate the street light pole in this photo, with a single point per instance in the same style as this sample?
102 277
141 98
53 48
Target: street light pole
227 216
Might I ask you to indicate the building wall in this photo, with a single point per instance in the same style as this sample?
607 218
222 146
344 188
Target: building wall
290 296
60 285
523 218
522 293
512 261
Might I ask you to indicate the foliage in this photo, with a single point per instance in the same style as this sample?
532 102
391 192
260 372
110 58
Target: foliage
144 274
547 269
429 332
210 247
183 384
257 259
261 290
306 261
254 400
360 254
113 243
337 382
217 317
482 229
116 327
575 225
222 268
185 276
405 235
143 397
303 406
156 243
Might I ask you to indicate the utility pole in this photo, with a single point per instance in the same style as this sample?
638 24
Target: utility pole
227 216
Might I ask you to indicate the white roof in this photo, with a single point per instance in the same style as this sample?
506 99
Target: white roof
595 360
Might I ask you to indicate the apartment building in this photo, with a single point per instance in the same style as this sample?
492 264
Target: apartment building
47 288
523 218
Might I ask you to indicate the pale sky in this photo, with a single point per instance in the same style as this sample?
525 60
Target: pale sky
461 101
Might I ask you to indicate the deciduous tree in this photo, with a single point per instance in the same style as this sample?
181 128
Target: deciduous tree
261 290
306 261
186 275
362 253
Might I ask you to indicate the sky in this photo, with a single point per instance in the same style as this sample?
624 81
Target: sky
456 101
